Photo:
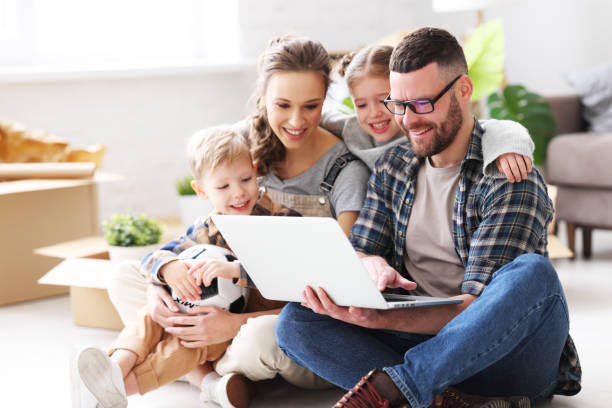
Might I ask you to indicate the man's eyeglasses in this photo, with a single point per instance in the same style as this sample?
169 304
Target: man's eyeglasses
418 106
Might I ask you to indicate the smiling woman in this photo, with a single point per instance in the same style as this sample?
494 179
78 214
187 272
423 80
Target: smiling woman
303 165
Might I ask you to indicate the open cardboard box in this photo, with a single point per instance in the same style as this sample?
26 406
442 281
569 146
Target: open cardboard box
86 269
36 213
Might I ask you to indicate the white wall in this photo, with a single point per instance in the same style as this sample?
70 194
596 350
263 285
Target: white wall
544 38
145 121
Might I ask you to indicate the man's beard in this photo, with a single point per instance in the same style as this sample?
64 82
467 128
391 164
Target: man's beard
444 134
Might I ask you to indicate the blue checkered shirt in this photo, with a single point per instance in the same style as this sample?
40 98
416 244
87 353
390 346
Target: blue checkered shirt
494 221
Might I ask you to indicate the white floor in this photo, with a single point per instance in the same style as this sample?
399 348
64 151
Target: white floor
37 338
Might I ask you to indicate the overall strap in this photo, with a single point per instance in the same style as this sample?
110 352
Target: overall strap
330 178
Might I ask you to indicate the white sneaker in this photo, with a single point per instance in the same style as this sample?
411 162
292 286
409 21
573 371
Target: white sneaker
102 377
81 396
230 391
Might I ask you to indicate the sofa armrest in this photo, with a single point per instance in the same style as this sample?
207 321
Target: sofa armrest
567 111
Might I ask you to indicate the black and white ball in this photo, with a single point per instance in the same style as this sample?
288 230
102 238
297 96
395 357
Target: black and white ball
222 292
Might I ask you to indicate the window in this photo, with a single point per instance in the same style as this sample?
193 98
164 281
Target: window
116 32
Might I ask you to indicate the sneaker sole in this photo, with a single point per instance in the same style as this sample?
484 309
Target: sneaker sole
512 402
96 372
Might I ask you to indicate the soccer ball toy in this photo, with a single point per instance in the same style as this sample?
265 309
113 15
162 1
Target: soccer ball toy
222 292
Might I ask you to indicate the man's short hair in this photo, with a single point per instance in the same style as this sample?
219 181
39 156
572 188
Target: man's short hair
427 45
212 147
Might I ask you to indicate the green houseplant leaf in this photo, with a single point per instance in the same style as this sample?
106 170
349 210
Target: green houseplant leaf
529 109
129 230
484 52
183 186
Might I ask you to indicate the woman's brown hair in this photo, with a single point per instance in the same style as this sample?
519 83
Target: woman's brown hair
284 54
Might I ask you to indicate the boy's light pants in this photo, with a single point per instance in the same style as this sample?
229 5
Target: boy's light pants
253 352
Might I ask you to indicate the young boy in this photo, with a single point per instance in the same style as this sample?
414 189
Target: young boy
144 356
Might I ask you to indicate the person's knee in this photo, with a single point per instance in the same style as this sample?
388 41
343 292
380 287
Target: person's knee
537 268
256 338
289 325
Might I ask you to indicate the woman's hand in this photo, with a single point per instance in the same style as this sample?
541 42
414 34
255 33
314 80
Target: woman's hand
161 305
514 166
205 325
207 270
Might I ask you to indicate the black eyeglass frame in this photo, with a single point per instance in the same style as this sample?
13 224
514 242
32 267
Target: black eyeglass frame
410 102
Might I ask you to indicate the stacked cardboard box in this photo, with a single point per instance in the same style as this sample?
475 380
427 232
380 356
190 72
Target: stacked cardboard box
36 213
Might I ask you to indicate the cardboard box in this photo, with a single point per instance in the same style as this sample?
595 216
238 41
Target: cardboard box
86 268
36 213
556 249
89 301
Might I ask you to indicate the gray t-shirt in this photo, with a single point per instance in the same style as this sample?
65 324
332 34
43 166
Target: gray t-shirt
429 255
357 140
349 189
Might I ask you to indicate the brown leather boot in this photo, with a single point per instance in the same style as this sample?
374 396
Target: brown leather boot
374 390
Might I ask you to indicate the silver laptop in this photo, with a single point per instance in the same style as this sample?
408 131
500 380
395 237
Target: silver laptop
283 255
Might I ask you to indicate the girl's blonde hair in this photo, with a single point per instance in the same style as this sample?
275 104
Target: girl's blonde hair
372 60
284 54
211 147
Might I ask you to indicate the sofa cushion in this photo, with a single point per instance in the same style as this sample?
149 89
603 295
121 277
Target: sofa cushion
584 206
580 159
594 86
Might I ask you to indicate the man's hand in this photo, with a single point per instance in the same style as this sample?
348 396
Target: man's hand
182 283
204 325
319 302
208 269
514 166
161 305
383 274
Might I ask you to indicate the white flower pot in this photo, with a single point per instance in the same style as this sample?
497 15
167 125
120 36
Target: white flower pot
119 253
193 207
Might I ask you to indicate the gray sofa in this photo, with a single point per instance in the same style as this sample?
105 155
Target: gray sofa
579 163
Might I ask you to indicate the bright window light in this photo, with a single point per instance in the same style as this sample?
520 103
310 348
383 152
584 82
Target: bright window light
135 32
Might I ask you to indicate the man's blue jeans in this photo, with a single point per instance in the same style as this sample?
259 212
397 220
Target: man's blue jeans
507 342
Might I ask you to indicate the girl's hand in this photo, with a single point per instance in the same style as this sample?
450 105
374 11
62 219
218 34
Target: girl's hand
182 283
514 166
205 271
211 325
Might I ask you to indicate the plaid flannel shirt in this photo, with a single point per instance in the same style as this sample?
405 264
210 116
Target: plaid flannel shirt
494 222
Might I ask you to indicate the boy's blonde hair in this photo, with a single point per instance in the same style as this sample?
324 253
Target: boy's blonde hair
211 147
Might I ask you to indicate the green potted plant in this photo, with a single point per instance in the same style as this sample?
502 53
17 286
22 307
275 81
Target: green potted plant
190 205
130 236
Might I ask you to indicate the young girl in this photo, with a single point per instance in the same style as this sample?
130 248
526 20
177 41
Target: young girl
373 130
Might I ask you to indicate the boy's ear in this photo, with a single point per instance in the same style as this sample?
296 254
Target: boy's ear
255 167
197 187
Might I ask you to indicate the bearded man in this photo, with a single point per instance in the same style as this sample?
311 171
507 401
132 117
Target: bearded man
433 224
